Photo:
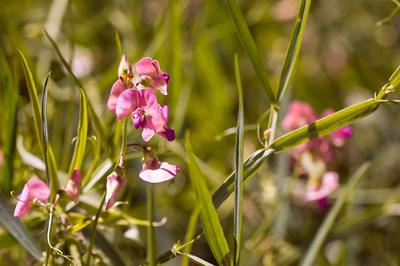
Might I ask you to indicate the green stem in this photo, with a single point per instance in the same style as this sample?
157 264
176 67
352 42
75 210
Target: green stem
151 236
93 231
273 119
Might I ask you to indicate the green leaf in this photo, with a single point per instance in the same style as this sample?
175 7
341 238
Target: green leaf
326 125
119 45
8 126
395 78
331 217
18 230
190 231
209 217
249 45
294 48
238 208
96 120
49 160
80 144
33 96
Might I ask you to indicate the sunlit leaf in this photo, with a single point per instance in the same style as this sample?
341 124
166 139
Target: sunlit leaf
294 48
326 125
249 45
209 217
238 208
49 160
80 143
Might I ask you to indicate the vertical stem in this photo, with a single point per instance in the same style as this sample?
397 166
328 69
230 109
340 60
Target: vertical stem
93 231
273 119
151 237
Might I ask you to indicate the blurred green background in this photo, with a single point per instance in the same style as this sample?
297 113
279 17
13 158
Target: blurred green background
345 58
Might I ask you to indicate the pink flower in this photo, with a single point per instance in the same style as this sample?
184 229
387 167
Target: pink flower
330 181
73 187
299 114
123 82
150 73
34 190
114 185
146 113
154 171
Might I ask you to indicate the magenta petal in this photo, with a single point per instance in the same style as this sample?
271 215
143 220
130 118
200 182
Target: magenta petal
165 112
24 203
114 184
73 186
165 172
38 189
147 134
116 90
127 102
330 181
145 67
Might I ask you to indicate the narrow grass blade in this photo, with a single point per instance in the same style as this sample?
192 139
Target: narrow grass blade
80 144
209 217
8 126
18 230
331 217
33 96
49 160
249 45
294 48
190 231
238 209
96 120
326 125
395 78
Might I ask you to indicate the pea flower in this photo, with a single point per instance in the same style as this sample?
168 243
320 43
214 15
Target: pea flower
146 113
34 190
73 186
154 171
150 73
114 185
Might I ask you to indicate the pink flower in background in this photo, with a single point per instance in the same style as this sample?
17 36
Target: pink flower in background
330 182
73 186
299 114
123 82
154 171
114 185
34 190
146 113
149 71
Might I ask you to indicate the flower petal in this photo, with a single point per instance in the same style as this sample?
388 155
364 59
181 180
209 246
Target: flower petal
127 103
24 203
116 90
38 190
114 184
330 181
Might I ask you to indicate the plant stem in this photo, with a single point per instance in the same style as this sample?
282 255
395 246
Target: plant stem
273 119
93 231
151 237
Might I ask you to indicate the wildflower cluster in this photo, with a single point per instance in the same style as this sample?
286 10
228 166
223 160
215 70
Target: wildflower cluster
134 95
312 159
